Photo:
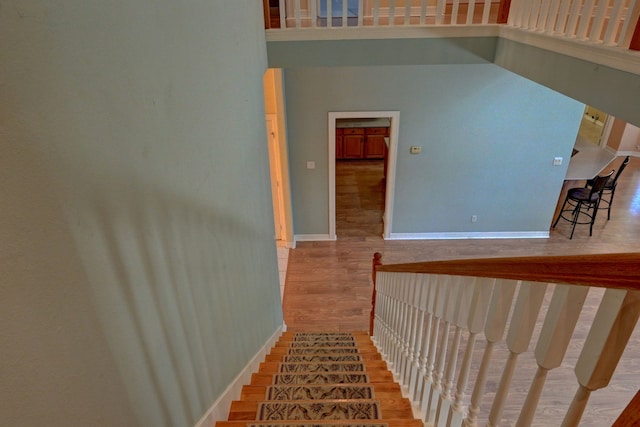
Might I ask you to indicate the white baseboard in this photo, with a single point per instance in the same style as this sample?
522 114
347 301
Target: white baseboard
313 237
471 235
219 411
628 153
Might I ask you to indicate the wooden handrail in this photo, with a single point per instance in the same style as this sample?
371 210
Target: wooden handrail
620 271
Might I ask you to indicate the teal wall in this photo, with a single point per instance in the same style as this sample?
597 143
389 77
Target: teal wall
139 268
488 140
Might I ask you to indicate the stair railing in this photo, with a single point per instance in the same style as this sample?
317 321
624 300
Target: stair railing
423 312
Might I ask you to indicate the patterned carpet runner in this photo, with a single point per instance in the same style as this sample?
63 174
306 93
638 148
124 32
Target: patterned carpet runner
325 382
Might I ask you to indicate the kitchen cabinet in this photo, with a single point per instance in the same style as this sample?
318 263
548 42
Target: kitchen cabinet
361 143
352 143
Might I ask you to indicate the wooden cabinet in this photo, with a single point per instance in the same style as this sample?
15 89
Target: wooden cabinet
375 146
361 143
352 143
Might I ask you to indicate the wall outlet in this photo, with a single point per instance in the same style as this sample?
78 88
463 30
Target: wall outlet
474 218
557 161
311 165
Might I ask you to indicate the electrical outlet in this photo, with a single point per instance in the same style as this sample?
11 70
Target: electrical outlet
557 161
311 165
474 218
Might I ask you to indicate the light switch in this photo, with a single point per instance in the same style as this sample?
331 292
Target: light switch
311 164
415 149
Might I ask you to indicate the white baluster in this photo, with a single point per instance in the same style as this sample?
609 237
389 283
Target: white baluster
414 301
555 336
407 326
392 12
376 12
523 321
462 303
598 24
486 11
552 15
482 290
610 331
516 12
471 8
454 12
283 17
574 15
382 313
422 385
563 15
440 11
345 13
423 12
329 14
407 13
614 23
395 325
499 308
297 13
360 13
422 282
632 16
543 15
585 19
533 15
436 314
450 288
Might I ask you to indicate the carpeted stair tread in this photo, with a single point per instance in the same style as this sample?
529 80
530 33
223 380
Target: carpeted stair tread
324 350
276 392
324 423
322 378
294 367
388 408
329 357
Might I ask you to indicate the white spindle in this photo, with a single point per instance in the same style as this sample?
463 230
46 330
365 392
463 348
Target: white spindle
440 11
409 338
407 13
360 12
614 23
543 15
422 388
450 293
516 13
471 8
454 12
462 303
297 13
436 311
574 15
404 324
552 16
329 14
392 12
486 11
396 326
555 336
283 16
376 12
598 23
482 290
416 331
313 13
533 15
628 27
422 282
345 12
612 326
423 11
496 322
585 19
521 328
563 16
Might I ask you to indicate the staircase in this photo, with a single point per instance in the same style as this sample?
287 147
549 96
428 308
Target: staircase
322 379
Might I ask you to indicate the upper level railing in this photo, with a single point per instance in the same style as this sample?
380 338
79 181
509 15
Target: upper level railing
427 315
611 23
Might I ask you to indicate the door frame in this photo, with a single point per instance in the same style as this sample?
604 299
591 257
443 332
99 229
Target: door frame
276 177
394 117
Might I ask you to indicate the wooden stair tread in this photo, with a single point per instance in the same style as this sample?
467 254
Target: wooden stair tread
391 422
380 390
390 408
281 357
375 376
276 367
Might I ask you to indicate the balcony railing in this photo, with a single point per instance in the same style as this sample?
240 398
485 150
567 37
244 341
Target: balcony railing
611 23
431 317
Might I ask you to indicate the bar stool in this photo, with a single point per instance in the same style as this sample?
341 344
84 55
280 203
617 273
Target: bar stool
583 201
609 189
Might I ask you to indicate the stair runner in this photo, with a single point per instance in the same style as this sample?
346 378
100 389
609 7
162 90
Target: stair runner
322 379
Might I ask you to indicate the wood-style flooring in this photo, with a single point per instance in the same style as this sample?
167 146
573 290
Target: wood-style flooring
328 284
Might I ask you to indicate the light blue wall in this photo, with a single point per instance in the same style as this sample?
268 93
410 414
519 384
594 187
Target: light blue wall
138 264
488 140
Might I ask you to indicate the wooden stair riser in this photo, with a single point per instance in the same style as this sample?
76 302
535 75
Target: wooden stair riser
282 357
380 390
377 376
276 367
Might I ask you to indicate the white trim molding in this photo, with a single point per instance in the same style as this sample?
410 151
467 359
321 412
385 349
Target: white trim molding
313 238
471 235
219 411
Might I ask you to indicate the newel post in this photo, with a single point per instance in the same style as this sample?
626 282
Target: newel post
377 260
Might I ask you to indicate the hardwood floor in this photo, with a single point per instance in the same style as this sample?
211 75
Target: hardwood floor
328 283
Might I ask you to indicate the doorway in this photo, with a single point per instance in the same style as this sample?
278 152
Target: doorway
390 159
